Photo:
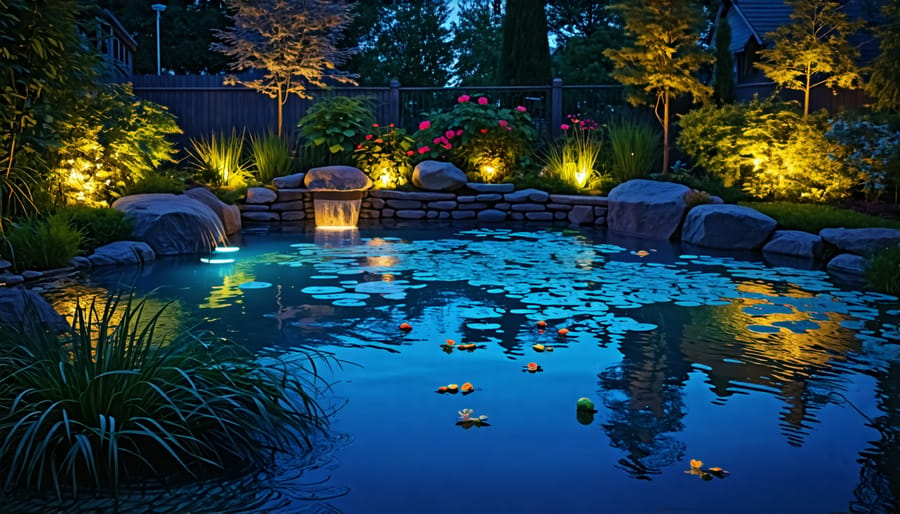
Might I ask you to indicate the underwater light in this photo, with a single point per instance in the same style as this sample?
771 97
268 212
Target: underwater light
210 260
226 249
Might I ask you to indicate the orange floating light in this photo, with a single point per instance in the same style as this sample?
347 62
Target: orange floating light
406 327
542 324
467 388
563 331
532 366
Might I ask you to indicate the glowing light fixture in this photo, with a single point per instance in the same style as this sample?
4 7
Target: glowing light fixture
214 260
385 178
226 249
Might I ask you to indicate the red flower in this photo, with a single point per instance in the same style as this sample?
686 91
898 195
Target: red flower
424 125
368 137
410 153
482 100
424 149
564 127
502 123
484 131
463 99
521 108
374 124
449 134
391 125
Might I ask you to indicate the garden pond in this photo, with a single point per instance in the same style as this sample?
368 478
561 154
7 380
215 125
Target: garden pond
718 384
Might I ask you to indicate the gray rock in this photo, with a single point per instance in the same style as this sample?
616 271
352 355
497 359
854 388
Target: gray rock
527 195
411 195
260 195
11 279
292 181
438 176
480 187
261 216
296 205
463 215
32 274
491 216
847 267
229 215
337 178
528 207
410 214
581 215
795 243
172 224
444 205
861 241
80 262
727 227
290 195
404 204
647 208
4 265
16 303
488 197
293 215
122 252
580 200
539 216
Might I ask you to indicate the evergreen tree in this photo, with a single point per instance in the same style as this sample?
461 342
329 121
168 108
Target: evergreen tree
293 43
884 81
661 62
526 50
813 50
477 36
723 75
583 29
410 43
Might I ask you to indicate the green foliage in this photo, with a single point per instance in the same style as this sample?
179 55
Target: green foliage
109 142
544 182
161 181
574 157
477 40
767 149
408 43
273 156
41 243
294 41
883 86
701 180
98 225
664 58
883 271
219 160
118 398
385 155
580 60
477 135
332 128
525 58
723 74
813 218
871 150
813 50
634 148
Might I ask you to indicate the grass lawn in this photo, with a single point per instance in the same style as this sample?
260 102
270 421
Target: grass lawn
813 217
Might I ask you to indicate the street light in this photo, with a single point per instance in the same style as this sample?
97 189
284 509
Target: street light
158 8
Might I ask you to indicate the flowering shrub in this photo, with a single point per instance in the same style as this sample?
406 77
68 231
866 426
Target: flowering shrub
333 126
480 137
573 158
386 156
870 149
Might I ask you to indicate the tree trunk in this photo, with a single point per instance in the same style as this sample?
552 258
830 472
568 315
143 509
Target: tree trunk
665 157
280 109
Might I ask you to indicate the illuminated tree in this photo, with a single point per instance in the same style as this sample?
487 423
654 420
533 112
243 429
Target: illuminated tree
293 43
660 63
813 50
884 82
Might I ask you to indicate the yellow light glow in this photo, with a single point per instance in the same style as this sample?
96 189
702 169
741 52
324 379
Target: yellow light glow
385 178
581 178
488 171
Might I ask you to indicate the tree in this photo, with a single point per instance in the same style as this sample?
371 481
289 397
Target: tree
884 82
477 36
293 43
813 50
526 50
660 63
583 29
409 43
567 19
723 74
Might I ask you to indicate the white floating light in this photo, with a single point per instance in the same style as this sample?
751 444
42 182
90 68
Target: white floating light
226 249
210 260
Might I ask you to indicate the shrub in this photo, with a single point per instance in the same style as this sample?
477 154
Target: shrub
219 160
385 154
332 128
768 149
871 150
273 156
157 182
485 140
573 158
41 243
634 148
883 272
99 225
702 181
116 399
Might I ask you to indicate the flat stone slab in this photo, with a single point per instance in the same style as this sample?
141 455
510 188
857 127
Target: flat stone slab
795 243
861 241
491 216
481 187
727 227
527 195
411 195
580 200
292 181
260 195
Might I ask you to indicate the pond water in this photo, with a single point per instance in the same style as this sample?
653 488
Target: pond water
784 381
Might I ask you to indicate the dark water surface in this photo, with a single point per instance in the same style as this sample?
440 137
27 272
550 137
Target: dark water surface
785 381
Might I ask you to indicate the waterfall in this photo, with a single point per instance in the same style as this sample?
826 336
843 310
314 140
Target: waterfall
336 209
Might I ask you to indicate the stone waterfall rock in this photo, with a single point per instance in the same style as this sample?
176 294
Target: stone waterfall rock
173 224
337 178
731 227
647 208
229 215
438 176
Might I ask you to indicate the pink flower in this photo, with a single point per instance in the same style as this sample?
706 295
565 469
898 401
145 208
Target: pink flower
482 100
564 127
502 123
459 132
521 108
508 128
424 149
463 99
374 124
447 146
424 125
368 137
449 134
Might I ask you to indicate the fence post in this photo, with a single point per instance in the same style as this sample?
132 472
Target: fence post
556 107
394 103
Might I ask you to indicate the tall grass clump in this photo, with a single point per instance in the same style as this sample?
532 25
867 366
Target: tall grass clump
219 160
883 272
634 148
116 399
273 156
573 159
99 225
41 243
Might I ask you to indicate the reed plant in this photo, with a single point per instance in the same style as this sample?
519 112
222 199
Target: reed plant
41 243
573 159
119 399
272 156
219 160
883 271
634 148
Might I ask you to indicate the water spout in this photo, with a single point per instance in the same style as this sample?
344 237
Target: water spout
337 209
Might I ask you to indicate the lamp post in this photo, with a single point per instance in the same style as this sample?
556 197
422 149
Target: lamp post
158 8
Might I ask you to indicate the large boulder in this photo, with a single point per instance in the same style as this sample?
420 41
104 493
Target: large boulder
229 215
292 181
19 305
438 176
122 252
173 224
861 241
795 243
337 178
847 268
647 208
727 227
